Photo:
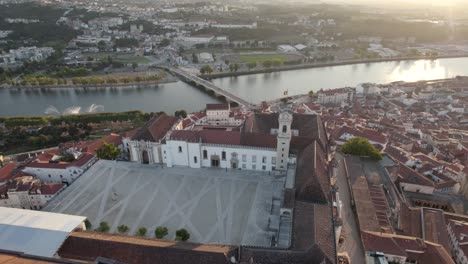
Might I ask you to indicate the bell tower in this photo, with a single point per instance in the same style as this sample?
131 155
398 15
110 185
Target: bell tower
283 140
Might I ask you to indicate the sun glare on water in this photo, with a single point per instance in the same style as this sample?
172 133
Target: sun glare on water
419 70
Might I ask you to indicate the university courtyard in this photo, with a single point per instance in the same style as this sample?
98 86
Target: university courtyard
233 207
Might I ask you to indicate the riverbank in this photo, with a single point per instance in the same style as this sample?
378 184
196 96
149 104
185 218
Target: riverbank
104 85
325 64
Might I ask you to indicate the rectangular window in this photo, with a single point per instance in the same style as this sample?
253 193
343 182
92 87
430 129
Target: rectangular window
273 160
263 167
243 166
180 149
254 167
195 160
205 154
223 155
254 158
264 159
244 158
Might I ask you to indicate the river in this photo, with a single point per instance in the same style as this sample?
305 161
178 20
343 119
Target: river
254 88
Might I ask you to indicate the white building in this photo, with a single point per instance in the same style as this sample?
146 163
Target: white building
336 96
231 26
286 48
195 40
262 142
27 192
49 168
205 57
367 89
32 53
88 39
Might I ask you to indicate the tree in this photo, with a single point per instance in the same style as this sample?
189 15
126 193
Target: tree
108 151
206 69
122 229
359 146
160 232
87 223
311 93
236 67
267 63
134 66
194 58
182 235
141 231
102 45
251 65
181 113
164 43
103 227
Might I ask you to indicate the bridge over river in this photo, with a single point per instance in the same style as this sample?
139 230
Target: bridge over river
200 82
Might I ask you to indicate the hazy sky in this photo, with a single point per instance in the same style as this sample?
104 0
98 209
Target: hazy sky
423 2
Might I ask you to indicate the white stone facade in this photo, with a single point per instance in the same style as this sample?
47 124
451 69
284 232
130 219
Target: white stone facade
197 155
58 174
193 154
336 97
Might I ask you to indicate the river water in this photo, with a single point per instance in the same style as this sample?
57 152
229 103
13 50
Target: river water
254 88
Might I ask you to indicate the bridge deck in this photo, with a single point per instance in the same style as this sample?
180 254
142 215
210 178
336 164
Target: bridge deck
211 86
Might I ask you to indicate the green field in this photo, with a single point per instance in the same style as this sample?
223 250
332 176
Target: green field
261 58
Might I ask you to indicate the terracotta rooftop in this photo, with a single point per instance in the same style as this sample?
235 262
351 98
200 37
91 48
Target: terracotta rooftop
91 147
208 136
312 175
155 129
81 161
434 228
51 188
408 175
87 246
309 127
369 134
6 172
217 107
415 249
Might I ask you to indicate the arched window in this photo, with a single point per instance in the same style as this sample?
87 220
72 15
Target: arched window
285 128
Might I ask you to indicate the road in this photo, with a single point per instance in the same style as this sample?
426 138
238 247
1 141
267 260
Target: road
352 242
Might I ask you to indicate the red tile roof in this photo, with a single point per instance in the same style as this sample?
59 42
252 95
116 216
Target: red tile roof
217 107
208 136
6 172
81 161
87 246
369 134
91 147
51 188
130 133
405 246
408 175
156 129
